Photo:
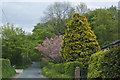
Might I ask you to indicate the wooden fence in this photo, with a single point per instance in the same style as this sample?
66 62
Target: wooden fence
79 73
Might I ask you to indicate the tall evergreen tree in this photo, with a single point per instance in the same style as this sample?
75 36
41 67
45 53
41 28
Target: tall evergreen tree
79 41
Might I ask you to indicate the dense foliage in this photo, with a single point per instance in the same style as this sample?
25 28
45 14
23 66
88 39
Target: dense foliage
61 70
50 48
104 23
77 45
40 34
105 64
19 46
15 45
79 41
7 70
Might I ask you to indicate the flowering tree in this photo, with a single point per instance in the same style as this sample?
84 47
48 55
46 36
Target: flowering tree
50 48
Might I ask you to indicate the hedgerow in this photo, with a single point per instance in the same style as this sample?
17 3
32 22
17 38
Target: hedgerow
105 64
7 70
61 70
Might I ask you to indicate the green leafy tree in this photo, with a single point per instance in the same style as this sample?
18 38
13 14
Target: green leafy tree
104 24
14 45
31 52
79 41
114 11
39 35
40 32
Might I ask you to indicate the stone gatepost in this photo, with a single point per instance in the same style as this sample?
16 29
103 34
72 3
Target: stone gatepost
77 73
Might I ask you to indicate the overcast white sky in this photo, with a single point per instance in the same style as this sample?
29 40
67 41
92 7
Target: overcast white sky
27 13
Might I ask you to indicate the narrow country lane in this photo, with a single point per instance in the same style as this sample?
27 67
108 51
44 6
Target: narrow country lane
33 72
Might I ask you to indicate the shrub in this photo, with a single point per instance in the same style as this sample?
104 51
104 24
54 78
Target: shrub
43 64
7 70
105 64
50 48
70 67
64 70
51 73
79 41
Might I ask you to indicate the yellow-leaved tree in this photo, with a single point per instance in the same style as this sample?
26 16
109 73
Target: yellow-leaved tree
79 41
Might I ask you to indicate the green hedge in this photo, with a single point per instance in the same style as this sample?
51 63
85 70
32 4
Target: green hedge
105 64
62 70
43 64
7 70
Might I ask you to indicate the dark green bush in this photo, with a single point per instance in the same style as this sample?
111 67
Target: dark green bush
62 70
7 70
24 63
105 64
43 64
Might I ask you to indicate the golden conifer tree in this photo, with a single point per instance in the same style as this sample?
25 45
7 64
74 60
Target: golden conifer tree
79 41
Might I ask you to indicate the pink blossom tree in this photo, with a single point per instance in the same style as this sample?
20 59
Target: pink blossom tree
50 48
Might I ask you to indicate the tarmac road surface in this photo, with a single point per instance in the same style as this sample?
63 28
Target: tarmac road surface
32 73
